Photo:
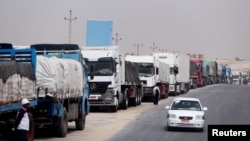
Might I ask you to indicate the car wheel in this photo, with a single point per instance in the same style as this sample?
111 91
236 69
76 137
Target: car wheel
169 128
201 129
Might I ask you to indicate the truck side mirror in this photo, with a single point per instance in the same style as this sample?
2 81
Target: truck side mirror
91 72
176 70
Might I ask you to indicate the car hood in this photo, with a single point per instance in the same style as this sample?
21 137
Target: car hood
185 112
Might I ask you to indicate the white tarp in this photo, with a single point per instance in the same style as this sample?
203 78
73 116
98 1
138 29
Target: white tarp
62 77
16 88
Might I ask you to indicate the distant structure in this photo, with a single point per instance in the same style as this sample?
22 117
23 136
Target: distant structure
70 19
153 47
116 39
138 46
200 56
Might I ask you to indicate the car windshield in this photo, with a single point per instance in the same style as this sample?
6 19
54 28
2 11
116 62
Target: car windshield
186 105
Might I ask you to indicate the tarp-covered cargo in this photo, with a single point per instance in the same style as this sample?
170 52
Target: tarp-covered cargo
17 81
132 73
55 75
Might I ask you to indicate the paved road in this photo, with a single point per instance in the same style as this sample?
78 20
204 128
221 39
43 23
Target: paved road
227 104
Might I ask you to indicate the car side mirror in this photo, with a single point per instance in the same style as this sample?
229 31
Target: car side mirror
167 107
205 108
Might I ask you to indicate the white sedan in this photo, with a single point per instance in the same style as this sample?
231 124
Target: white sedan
186 112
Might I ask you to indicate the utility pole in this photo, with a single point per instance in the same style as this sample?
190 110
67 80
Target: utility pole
138 46
116 39
153 47
70 19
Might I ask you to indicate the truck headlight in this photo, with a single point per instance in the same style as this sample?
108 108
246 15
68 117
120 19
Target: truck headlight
108 97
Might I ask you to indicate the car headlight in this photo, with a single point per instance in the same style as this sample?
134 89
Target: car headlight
171 116
200 117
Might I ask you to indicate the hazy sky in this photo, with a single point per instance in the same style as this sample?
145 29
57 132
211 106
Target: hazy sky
215 28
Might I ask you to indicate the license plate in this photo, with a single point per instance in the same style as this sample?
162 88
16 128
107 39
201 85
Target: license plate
184 120
93 97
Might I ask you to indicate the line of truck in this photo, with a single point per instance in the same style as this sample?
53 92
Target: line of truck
63 81
206 72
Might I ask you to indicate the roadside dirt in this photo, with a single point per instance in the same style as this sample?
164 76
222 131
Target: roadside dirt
101 125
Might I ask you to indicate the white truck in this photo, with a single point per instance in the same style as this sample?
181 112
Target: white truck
237 77
152 71
183 64
114 82
179 72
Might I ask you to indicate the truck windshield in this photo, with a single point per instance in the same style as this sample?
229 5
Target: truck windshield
236 76
172 70
101 68
146 70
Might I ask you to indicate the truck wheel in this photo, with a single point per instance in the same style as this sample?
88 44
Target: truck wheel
125 101
80 122
31 131
62 127
115 107
134 101
9 134
140 99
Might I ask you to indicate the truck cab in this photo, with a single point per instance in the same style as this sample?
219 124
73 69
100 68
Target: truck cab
104 77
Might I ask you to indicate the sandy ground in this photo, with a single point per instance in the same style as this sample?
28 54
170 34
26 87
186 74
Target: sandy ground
101 126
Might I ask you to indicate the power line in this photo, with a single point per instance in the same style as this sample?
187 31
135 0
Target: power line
70 19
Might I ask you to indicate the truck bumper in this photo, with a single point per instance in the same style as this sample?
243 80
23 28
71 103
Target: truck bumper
98 100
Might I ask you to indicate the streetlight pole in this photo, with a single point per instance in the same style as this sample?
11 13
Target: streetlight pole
153 47
70 19
138 46
116 39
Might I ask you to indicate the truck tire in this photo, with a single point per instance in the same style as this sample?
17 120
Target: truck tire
9 133
80 122
31 131
125 101
140 99
62 127
137 98
115 107
133 101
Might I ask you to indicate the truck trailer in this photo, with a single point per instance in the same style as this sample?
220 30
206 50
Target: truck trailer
179 72
17 81
163 74
183 76
114 82
61 86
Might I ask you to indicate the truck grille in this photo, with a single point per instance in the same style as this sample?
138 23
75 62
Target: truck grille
98 87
